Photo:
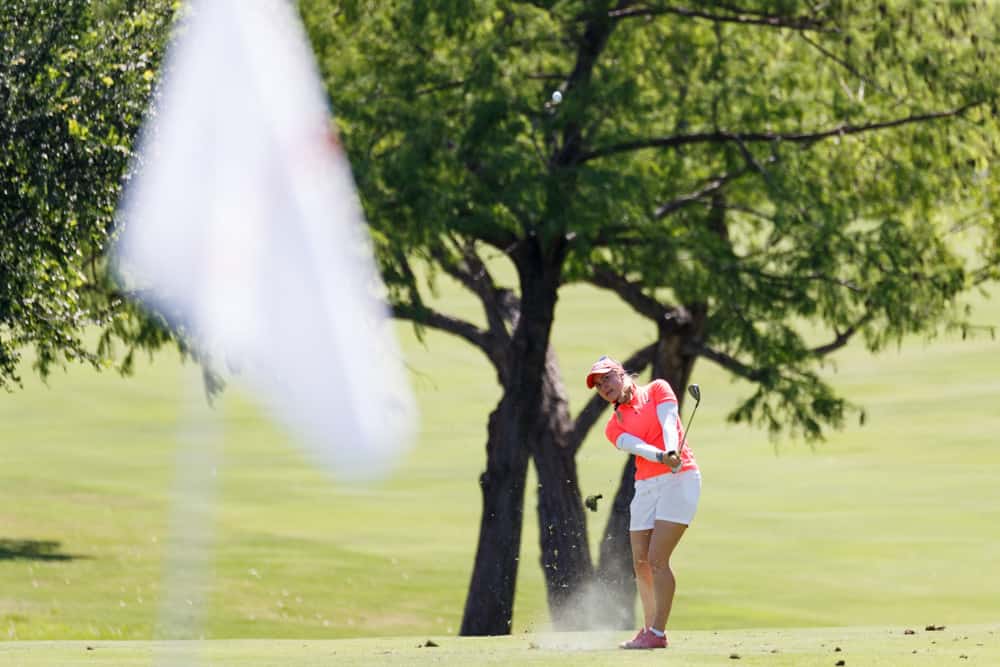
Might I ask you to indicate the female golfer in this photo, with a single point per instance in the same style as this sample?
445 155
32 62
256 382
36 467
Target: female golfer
667 486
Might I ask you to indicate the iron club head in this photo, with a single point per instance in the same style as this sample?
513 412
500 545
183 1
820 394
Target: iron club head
695 392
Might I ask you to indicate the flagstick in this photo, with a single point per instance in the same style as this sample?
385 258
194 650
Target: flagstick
187 575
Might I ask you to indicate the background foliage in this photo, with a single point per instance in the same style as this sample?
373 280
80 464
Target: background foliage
772 162
75 83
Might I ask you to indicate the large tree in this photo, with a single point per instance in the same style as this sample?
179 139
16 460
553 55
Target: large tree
75 81
735 172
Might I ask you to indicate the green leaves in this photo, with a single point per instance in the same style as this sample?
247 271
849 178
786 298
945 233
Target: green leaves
75 79
797 169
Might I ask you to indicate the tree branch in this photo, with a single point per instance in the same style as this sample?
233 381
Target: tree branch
594 39
722 136
746 372
630 293
492 235
792 278
475 277
446 323
984 274
714 184
736 15
840 339
846 65
729 363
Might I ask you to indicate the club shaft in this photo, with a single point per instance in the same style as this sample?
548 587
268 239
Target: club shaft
687 429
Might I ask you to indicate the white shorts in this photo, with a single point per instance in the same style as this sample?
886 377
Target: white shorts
666 497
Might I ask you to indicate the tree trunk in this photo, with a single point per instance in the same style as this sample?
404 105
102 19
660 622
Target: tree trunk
515 426
565 552
489 607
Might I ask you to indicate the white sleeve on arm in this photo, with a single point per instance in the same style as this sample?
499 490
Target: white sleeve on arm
633 445
667 414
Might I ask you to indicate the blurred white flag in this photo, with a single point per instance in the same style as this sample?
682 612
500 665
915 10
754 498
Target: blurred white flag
243 227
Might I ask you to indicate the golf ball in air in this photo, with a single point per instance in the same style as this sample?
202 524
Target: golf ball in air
557 97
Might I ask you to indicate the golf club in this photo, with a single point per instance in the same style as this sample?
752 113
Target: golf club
695 392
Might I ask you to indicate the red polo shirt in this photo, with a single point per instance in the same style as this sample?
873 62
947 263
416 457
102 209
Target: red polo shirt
639 418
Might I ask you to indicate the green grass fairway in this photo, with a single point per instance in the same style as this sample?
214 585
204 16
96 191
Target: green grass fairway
883 527
887 647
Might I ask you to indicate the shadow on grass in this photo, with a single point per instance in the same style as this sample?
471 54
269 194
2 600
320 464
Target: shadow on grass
33 550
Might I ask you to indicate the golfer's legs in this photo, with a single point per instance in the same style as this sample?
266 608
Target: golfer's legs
643 573
665 537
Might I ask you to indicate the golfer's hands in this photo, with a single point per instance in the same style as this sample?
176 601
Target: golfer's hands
671 459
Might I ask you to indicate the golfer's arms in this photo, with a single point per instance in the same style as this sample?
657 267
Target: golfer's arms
633 445
667 414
